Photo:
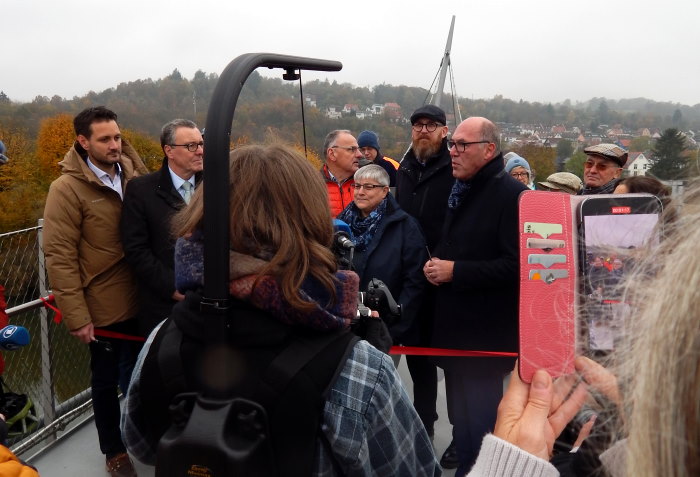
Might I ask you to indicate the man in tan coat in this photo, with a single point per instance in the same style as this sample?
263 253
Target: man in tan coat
91 281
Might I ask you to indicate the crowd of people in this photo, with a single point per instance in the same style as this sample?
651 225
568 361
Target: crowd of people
439 228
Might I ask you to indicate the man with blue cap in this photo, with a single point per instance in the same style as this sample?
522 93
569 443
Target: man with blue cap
369 147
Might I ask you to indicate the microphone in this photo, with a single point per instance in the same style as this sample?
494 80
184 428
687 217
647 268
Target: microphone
342 237
13 337
342 240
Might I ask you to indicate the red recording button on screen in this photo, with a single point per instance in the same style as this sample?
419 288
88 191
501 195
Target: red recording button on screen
621 210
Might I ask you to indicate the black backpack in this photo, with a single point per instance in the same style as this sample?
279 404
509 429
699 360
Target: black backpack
267 425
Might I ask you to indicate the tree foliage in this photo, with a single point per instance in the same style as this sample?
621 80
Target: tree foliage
575 164
668 159
541 160
56 136
21 194
43 133
149 149
640 144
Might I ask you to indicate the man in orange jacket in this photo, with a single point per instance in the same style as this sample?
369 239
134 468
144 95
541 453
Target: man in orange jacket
342 159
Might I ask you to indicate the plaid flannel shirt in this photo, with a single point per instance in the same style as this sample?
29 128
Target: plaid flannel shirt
368 420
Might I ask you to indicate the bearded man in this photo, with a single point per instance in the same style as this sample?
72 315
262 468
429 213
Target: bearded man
423 184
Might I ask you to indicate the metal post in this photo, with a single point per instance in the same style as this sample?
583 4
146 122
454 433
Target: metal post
47 399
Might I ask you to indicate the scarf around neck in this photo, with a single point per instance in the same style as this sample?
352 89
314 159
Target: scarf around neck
363 228
459 191
608 188
265 293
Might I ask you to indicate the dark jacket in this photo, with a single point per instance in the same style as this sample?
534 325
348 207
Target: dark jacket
478 310
396 256
388 167
422 190
149 204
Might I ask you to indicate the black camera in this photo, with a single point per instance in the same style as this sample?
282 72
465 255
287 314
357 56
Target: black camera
379 298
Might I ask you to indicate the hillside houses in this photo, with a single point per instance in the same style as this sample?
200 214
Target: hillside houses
517 135
391 111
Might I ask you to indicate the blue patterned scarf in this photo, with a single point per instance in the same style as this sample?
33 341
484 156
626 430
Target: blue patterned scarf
459 190
363 228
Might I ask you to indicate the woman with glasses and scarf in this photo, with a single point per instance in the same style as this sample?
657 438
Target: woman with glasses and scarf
389 245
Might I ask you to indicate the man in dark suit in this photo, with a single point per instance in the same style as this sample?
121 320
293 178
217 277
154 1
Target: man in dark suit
475 269
149 204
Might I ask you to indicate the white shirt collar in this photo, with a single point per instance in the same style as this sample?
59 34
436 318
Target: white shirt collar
177 180
114 184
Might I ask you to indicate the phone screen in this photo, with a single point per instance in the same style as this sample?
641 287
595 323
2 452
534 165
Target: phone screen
615 232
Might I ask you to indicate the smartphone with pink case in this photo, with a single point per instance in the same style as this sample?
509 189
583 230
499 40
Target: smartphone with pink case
548 283
573 252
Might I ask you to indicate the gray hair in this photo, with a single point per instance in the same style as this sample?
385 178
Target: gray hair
167 134
490 133
331 137
373 172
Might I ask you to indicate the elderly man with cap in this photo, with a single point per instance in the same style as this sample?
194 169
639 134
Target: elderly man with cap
423 184
369 147
602 168
519 169
562 182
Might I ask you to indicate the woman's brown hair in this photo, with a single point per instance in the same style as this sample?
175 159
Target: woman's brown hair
278 211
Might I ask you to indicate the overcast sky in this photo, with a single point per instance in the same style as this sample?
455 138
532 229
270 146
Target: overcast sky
543 50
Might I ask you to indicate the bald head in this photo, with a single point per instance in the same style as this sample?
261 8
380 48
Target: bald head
476 144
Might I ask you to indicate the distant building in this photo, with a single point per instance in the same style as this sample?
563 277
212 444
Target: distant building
310 100
377 108
333 113
637 164
349 108
392 110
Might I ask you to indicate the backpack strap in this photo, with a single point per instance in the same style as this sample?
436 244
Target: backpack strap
300 352
170 365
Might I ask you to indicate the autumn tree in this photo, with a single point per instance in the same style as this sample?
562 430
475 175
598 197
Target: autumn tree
668 158
21 196
540 158
148 148
56 137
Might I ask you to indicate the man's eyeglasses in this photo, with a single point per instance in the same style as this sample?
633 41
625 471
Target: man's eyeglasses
601 166
518 175
352 149
462 146
191 146
430 127
367 187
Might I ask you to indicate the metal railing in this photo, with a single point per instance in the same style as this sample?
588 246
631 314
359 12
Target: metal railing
54 369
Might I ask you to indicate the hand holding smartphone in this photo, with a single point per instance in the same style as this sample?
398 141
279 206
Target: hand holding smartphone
575 252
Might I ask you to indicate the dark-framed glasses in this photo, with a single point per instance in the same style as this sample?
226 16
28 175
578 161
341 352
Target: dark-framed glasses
430 127
191 146
352 149
367 187
518 175
462 146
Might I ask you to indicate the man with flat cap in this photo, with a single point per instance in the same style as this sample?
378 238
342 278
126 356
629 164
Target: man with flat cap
602 169
423 184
